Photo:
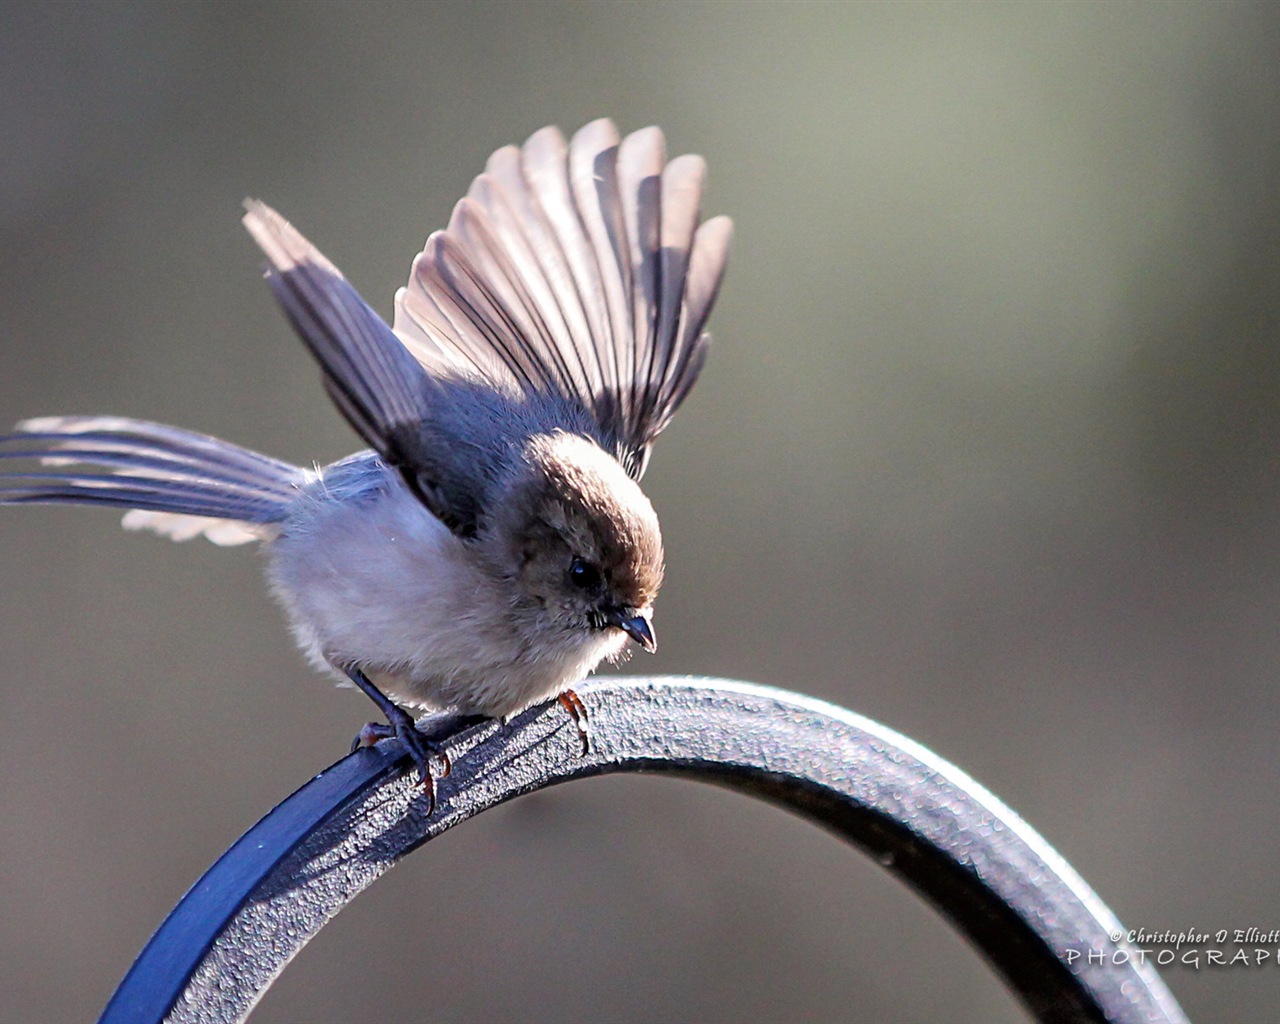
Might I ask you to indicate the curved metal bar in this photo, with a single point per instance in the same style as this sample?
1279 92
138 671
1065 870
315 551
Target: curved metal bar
1004 887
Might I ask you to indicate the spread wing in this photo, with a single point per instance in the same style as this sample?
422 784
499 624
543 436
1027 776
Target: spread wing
580 271
571 289
399 409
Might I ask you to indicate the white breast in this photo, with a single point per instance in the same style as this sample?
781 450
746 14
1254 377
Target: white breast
382 584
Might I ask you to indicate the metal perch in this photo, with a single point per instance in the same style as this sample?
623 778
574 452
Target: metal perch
926 821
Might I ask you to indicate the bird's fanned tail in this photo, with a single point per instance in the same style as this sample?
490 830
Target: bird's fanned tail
176 482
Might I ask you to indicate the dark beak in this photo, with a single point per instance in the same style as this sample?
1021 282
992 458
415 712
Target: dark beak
635 626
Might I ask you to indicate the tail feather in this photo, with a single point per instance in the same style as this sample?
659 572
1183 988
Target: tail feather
137 492
156 440
128 458
177 482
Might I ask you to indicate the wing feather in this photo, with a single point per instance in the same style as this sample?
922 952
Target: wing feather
576 270
508 236
641 158
593 179
384 392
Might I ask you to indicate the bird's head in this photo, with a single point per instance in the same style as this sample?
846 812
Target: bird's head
580 541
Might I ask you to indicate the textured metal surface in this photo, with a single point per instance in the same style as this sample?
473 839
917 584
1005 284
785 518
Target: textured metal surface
922 818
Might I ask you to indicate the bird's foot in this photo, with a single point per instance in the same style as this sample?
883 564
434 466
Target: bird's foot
401 726
572 703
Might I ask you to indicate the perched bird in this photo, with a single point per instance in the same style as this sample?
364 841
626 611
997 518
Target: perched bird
494 545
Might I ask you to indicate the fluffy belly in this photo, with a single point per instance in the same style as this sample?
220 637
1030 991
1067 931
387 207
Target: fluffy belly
498 689
374 581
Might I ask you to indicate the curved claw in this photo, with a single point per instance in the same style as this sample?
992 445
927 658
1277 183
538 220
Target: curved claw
369 735
572 703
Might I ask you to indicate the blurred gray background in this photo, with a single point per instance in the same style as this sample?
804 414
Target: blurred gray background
986 450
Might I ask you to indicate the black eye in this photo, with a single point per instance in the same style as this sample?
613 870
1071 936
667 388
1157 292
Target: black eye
583 575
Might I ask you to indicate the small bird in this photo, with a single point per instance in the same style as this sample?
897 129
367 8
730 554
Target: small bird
493 546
